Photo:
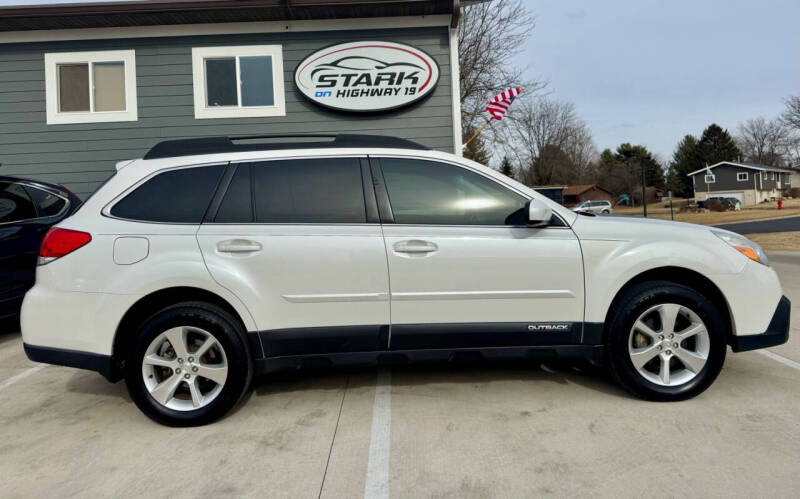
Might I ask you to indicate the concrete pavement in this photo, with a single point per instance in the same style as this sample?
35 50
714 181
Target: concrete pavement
510 430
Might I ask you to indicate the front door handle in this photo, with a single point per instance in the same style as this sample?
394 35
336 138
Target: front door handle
415 246
238 246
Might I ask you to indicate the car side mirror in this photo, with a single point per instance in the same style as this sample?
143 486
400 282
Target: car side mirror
538 213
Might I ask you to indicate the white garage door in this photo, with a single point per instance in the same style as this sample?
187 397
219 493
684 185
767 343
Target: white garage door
737 195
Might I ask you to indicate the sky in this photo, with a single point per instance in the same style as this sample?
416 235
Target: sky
650 72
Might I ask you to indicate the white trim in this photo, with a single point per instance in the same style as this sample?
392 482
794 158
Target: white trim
739 176
731 163
52 60
224 28
713 179
201 111
455 90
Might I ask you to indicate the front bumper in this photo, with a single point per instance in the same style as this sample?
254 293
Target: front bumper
777 332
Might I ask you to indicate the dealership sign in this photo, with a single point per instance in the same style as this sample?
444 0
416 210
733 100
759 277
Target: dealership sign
367 76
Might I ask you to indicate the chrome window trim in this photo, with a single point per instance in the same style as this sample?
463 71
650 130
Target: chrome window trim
67 203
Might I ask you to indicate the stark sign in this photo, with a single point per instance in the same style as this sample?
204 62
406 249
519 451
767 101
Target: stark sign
366 76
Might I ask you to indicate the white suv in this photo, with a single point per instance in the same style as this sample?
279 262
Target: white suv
603 207
210 260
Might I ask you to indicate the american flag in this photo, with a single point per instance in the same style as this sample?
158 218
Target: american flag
501 102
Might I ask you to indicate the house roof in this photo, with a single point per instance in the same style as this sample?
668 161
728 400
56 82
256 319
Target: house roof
104 14
577 190
752 166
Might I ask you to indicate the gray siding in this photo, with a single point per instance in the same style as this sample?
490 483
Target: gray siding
82 156
725 180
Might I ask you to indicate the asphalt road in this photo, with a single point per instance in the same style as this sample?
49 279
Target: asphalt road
763 226
438 431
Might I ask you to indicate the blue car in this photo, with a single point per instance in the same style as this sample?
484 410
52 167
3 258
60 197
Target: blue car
27 211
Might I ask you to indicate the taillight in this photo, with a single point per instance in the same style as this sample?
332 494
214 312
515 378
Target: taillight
59 242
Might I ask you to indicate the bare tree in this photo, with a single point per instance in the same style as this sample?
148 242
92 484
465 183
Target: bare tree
763 141
490 35
550 142
791 116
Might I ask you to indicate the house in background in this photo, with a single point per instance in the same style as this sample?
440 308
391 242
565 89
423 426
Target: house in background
574 194
749 183
554 192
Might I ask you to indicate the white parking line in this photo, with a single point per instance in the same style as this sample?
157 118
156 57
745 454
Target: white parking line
377 486
24 374
783 360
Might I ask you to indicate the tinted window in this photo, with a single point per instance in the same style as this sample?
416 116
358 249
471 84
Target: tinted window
237 206
15 205
177 196
48 204
427 192
325 190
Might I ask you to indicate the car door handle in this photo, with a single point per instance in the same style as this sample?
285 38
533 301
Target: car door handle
238 246
415 246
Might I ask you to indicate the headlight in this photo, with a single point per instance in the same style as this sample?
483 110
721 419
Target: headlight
745 246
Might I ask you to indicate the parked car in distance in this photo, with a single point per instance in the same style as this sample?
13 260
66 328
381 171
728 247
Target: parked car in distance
603 207
210 260
27 211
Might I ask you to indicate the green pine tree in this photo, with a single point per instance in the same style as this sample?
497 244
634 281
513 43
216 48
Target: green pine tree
685 160
475 150
716 145
506 168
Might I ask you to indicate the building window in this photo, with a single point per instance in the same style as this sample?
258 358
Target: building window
742 176
90 87
710 179
238 82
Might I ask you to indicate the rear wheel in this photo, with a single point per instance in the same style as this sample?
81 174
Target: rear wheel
665 341
606 212
190 365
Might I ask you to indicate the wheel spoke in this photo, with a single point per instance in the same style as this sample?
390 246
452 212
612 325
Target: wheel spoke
164 391
210 342
669 314
694 329
644 328
642 356
194 390
177 338
664 374
157 360
217 374
691 360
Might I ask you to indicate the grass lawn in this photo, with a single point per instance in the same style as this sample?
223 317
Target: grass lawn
757 212
777 241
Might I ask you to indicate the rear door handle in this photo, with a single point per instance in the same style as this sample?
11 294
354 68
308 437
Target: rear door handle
238 246
415 246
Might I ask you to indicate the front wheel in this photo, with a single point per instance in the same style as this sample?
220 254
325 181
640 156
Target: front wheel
665 341
606 212
190 365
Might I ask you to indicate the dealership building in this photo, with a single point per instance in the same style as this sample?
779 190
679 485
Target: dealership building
86 85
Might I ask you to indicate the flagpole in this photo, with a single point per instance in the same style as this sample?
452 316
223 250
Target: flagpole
477 132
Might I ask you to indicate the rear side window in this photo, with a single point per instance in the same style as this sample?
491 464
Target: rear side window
323 190
15 204
49 205
177 196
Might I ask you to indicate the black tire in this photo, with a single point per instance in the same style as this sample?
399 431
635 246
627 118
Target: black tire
230 335
606 212
630 306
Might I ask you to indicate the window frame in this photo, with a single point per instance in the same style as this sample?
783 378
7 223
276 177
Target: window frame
199 56
25 186
739 176
54 59
384 203
712 177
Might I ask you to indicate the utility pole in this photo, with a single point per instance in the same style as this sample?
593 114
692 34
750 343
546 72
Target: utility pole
644 189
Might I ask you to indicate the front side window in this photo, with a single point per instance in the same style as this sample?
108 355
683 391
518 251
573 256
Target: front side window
710 179
15 204
741 177
90 87
234 82
428 192
175 196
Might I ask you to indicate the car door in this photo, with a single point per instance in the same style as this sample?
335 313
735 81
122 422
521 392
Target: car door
22 228
464 269
299 241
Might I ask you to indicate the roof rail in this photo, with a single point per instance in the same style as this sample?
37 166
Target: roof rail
269 142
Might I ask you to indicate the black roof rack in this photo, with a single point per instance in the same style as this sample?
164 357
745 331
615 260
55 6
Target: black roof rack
212 145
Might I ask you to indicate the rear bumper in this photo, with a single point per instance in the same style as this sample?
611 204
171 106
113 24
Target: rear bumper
777 332
73 358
